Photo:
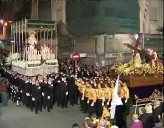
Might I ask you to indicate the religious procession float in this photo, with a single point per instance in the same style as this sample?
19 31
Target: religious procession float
33 50
145 80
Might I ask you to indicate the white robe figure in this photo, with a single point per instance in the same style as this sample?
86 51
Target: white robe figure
137 61
116 100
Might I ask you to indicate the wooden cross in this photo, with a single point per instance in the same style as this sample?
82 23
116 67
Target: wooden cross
136 46
141 52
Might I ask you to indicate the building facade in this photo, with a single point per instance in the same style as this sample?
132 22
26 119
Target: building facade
100 35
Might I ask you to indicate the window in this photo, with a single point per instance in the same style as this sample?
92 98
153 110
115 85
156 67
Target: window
153 14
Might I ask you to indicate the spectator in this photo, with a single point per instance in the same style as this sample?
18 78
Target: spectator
95 121
142 111
75 125
102 123
3 91
157 114
147 118
136 122
88 123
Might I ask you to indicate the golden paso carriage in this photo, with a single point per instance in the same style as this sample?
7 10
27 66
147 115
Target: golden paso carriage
145 80
139 77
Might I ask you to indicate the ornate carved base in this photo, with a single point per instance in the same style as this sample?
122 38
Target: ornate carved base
33 71
140 81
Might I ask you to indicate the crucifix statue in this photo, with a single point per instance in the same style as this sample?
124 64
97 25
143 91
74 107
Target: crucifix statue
152 55
136 58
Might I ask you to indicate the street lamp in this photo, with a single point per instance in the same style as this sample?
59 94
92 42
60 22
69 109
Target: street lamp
1 21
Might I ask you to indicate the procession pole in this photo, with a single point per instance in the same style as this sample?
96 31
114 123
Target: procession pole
44 37
14 37
25 32
16 41
47 36
51 39
136 104
20 39
22 46
56 42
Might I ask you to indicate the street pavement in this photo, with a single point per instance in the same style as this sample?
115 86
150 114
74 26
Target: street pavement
14 116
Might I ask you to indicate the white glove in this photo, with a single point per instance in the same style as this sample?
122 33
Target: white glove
48 97
66 93
33 99
27 94
126 101
102 103
88 102
159 116
92 104
42 94
108 103
21 91
82 98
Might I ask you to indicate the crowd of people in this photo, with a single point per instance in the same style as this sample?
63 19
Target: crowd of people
149 116
90 86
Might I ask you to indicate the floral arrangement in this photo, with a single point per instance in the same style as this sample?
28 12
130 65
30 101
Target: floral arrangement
128 69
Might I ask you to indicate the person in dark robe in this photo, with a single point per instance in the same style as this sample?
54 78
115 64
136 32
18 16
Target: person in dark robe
64 93
55 79
73 95
36 97
43 83
28 86
50 97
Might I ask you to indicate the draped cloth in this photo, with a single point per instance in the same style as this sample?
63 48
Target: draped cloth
116 100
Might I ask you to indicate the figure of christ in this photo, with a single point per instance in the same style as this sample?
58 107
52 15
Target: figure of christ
137 60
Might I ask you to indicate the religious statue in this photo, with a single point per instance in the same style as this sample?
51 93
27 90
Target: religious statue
154 56
31 53
32 39
137 60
